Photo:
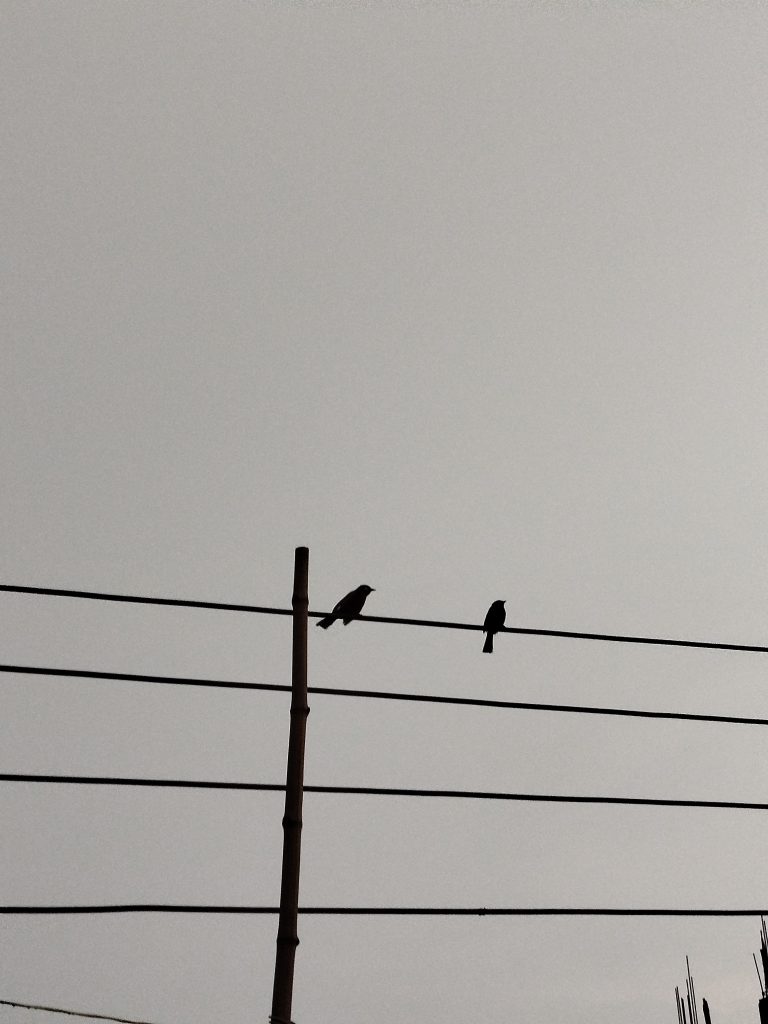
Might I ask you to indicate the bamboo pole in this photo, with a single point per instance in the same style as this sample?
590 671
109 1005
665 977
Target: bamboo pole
287 932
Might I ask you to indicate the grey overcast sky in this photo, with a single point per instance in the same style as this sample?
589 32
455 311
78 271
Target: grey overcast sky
471 300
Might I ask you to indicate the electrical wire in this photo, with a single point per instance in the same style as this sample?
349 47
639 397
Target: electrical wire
181 908
136 599
392 620
382 695
71 1013
133 677
455 794
369 911
518 705
95 780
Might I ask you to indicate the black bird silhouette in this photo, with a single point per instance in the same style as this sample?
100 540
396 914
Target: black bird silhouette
349 607
494 620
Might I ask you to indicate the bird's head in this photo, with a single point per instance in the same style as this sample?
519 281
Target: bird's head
366 588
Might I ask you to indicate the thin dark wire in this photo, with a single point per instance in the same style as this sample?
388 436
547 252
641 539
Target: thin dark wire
71 1013
166 908
383 695
435 624
534 706
133 599
461 794
455 794
132 677
95 780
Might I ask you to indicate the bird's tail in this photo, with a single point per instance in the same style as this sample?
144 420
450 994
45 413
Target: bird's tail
327 621
488 645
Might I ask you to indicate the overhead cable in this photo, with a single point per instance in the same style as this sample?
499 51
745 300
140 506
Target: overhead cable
392 620
455 794
136 599
181 908
96 780
71 1013
134 677
381 695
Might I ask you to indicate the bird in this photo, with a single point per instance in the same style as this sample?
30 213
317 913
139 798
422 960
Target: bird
494 621
349 607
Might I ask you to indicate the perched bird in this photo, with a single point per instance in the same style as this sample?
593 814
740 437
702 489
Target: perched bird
494 620
349 607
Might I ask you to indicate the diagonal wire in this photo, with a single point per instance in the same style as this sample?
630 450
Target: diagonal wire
455 794
134 677
433 623
71 1013
380 695
174 602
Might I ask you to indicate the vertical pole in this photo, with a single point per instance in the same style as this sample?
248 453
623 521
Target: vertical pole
287 933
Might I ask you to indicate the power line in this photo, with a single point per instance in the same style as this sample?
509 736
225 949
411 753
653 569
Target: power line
455 794
133 677
71 1013
180 908
392 620
382 695
518 705
461 794
135 599
95 780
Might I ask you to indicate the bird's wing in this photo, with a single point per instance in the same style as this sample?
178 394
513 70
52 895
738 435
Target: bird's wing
341 606
356 602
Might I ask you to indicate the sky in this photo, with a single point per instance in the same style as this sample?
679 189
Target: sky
469 298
